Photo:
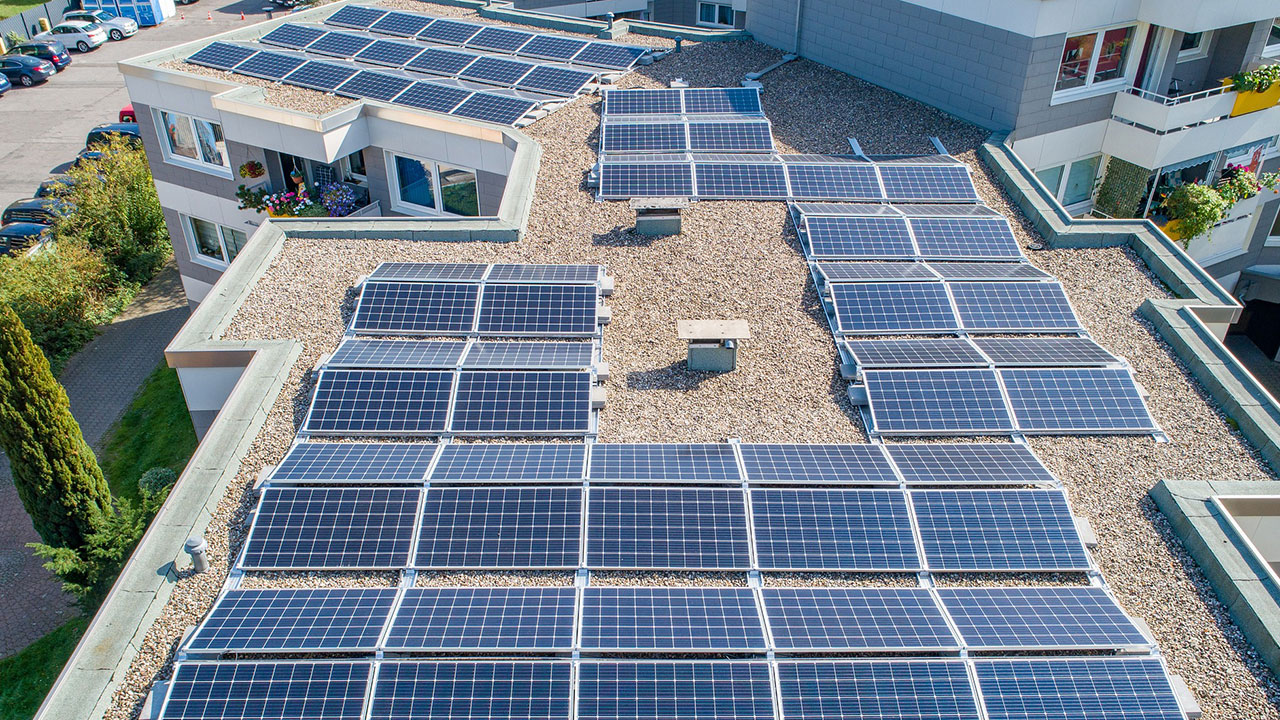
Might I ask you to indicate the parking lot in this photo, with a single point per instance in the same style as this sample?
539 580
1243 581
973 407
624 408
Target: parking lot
43 127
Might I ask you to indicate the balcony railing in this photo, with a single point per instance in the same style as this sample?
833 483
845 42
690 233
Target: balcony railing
1178 99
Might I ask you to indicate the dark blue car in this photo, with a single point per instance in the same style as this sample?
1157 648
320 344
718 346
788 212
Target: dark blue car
4 84
51 50
25 70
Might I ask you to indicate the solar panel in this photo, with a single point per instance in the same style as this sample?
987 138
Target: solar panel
914 353
269 65
845 181
362 463
499 109
545 355
845 530
663 690
617 57
374 85
856 620
936 402
399 23
707 101
495 70
1040 351
359 352
998 530
540 274
533 402
741 180
864 271
667 528
885 308
441 61
449 31
500 39
928 183
505 463
730 137
1096 688
876 690
1014 307
220 55
500 527
621 462
642 137
858 238
1061 618
968 464
388 308
642 102
553 47
340 44
524 619
461 272
555 80
472 691
332 528
806 464
650 179
965 238
355 16
548 310
267 691
323 76
380 402
293 620
989 271
671 619
389 52
429 96
1076 400
292 36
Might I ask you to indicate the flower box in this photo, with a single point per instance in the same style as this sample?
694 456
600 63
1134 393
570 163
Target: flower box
1253 101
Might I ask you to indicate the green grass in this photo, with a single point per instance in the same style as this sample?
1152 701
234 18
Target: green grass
9 9
25 678
155 431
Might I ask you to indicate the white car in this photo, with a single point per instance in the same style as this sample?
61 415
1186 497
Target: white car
81 35
118 28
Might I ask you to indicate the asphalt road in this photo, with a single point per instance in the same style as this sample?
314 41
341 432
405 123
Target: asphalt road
43 127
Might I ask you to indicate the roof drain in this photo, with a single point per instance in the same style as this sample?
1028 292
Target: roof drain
752 79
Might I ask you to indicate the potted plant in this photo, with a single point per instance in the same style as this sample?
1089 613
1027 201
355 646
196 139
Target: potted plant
1256 89
1194 209
252 169
339 199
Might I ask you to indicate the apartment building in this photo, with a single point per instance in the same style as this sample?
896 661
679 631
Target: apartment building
714 14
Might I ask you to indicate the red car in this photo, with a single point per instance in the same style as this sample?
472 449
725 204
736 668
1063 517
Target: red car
126 114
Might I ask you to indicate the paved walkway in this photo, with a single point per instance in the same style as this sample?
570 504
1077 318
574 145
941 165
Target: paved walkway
101 380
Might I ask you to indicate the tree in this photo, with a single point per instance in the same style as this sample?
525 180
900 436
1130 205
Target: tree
55 472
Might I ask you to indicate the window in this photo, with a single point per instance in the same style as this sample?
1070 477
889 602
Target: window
1273 40
423 186
458 191
1096 58
715 14
1194 46
1275 227
215 244
353 168
195 142
1071 183
414 181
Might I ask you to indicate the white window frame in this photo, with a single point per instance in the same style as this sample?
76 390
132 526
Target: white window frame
1200 51
1091 88
223 170
1083 205
1271 49
717 5
193 248
393 185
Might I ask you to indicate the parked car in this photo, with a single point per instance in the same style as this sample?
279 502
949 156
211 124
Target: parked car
102 133
118 28
4 85
18 236
55 186
26 70
42 211
81 35
85 155
127 114
51 50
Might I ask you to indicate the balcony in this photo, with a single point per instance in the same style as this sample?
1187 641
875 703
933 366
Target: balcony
360 204
1197 15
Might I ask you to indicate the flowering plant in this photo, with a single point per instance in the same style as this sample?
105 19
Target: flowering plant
252 169
338 199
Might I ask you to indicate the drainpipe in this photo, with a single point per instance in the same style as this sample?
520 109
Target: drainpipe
799 15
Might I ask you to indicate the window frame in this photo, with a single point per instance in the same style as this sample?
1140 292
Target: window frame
1200 50
1093 88
199 163
409 208
718 6
1065 178
193 246
1270 49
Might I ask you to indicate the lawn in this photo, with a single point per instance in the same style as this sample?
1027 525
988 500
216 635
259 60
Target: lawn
25 678
155 431
9 9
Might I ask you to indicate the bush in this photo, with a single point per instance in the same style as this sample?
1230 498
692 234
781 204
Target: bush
156 481
1197 207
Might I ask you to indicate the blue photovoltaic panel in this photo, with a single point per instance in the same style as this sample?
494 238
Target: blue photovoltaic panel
497 527
484 619
553 47
323 76
643 137
461 272
936 402
617 57
340 44
267 691
332 528
968 464
1042 352
1076 400
291 620
805 464
989 271
355 16
499 109
220 55
864 271
856 620
541 274
514 355
885 308
998 530
389 52
292 36
496 70
1014 307
836 181
429 96
741 180
876 690
549 310
730 137
1096 688
621 462
374 85
667 528
665 690
482 463
533 402
269 65
415 308
965 238
441 61
844 530
710 101
1028 618
357 463
928 183
632 619
914 353
650 179
499 38
858 238
380 402
642 102
472 691
449 31
555 80
403 24
362 352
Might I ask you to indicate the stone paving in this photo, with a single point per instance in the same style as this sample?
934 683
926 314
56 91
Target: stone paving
100 380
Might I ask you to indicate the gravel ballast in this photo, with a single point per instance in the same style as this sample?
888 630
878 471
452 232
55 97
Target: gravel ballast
741 260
